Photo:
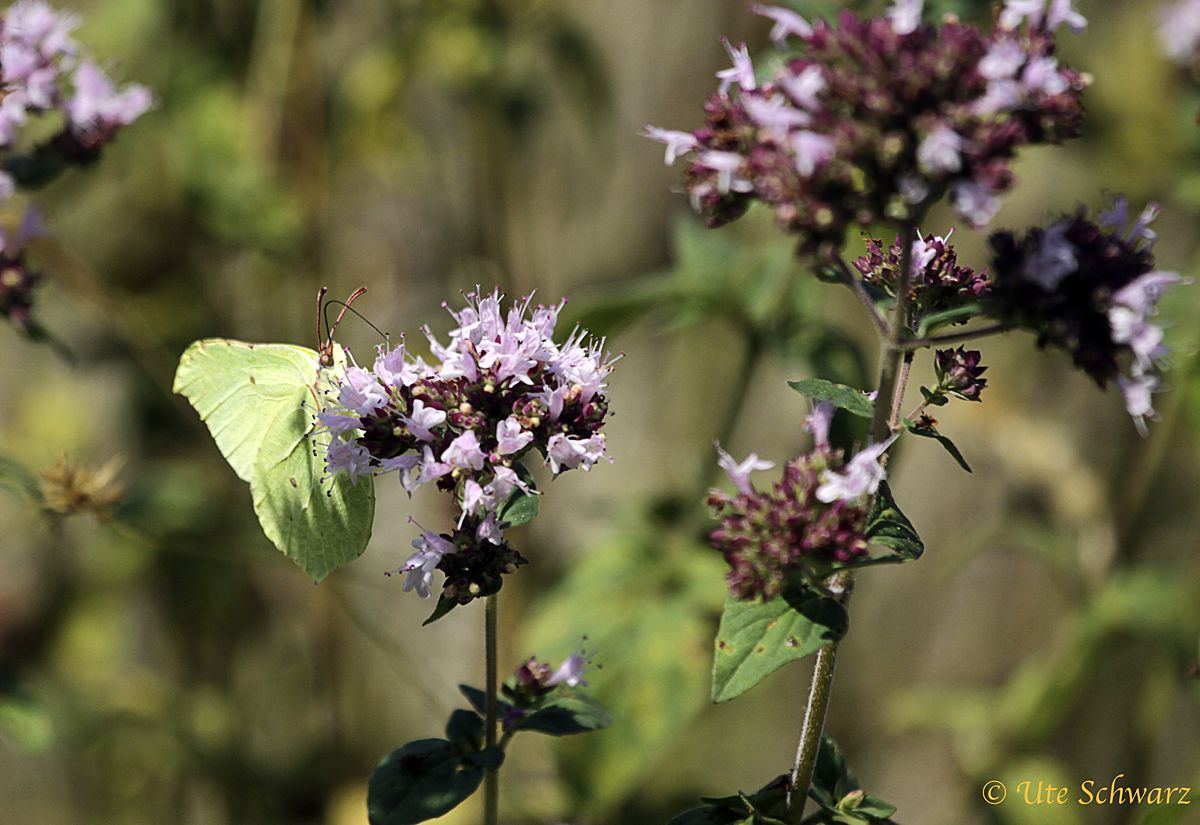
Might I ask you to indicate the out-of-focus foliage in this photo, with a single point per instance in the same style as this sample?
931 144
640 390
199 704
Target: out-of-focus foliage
166 665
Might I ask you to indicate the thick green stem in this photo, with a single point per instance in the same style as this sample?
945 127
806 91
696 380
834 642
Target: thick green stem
814 712
491 780
891 376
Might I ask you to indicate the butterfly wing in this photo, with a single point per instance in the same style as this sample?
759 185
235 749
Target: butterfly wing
259 401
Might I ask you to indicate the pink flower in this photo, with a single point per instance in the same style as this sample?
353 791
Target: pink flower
570 672
423 419
678 143
861 476
787 23
510 437
347 457
742 71
464 452
905 16
739 474
941 151
430 549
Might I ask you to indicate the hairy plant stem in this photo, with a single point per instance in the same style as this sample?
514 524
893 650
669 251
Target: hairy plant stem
856 286
893 374
491 780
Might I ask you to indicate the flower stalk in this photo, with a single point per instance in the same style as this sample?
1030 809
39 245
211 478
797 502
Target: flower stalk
892 375
491 779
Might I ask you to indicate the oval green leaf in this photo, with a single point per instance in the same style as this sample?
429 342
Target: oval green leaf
847 398
936 435
757 638
566 715
420 781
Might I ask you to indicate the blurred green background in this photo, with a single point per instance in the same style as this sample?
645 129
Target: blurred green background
167 665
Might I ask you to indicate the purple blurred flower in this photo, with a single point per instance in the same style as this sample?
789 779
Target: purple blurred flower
1090 287
876 115
1179 31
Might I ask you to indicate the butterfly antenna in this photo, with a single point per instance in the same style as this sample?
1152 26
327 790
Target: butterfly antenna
325 338
347 308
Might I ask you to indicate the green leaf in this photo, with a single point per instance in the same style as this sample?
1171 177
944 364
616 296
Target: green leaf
443 607
888 527
847 398
565 715
934 397
707 815
478 699
465 729
767 806
258 401
936 320
936 435
755 639
420 781
839 793
521 507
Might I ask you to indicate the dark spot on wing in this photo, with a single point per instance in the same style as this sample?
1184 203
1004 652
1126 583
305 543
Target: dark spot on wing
252 381
292 482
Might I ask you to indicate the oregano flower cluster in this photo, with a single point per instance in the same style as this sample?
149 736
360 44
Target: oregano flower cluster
500 389
937 283
44 71
45 75
870 120
813 518
1089 286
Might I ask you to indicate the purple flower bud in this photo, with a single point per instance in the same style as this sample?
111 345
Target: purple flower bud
959 372
819 421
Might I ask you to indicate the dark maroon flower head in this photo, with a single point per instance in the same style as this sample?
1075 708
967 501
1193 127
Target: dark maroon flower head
1059 282
771 537
1090 287
939 283
475 571
872 120
958 372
